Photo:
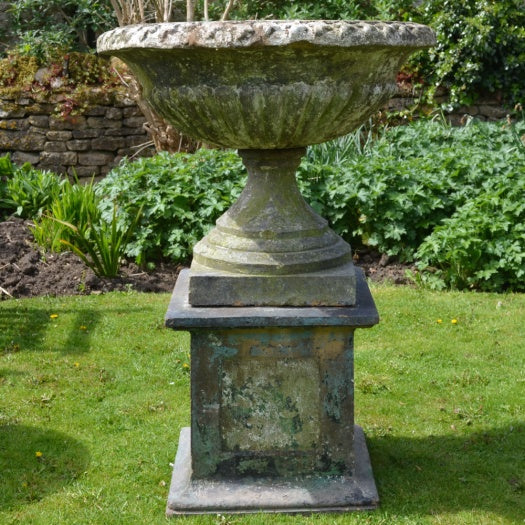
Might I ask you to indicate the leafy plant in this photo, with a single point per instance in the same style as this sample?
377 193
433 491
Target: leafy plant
410 179
181 196
480 49
100 244
482 245
76 204
30 191
6 172
49 28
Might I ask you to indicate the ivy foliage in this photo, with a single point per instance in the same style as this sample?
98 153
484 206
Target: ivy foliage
480 48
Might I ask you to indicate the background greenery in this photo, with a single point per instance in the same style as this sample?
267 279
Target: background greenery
441 405
449 198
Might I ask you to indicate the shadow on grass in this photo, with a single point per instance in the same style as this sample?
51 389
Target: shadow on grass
452 473
27 476
24 328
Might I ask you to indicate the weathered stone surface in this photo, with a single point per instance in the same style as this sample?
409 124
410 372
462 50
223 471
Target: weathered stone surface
272 409
39 121
136 140
102 123
59 135
108 143
266 84
40 109
30 124
67 123
113 113
12 112
182 315
94 159
331 287
20 157
78 145
125 132
274 236
19 140
55 146
96 111
37 131
86 133
268 33
68 158
14 124
132 112
245 495
134 122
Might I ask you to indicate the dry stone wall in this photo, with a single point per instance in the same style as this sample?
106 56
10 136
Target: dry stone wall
87 144
489 109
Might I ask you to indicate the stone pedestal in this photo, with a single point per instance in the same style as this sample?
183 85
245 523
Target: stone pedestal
272 425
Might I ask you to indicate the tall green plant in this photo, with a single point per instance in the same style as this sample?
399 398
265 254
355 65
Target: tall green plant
76 204
100 244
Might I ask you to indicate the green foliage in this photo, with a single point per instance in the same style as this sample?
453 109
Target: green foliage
30 192
7 170
76 204
99 243
328 10
181 196
400 187
47 29
480 49
482 245
74 222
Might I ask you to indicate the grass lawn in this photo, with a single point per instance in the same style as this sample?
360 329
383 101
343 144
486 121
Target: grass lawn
94 391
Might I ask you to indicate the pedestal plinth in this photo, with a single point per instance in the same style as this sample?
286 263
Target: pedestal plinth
272 425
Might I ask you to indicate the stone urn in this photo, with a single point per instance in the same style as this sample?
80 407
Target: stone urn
272 298
268 89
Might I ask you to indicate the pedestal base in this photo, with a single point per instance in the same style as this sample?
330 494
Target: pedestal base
301 494
331 287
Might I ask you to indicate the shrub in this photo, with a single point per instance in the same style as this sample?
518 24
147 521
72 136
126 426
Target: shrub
480 48
482 246
410 179
181 196
49 28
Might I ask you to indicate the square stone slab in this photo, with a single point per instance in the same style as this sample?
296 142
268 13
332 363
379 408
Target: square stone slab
301 494
331 287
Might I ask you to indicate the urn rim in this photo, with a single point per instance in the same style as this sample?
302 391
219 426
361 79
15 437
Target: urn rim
272 33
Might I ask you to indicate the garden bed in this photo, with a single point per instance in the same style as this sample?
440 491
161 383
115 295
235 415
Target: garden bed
27 272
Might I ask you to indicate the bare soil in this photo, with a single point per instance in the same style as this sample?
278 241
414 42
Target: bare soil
25 271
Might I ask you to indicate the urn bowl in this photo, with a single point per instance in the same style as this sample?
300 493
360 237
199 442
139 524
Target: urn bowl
266 84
